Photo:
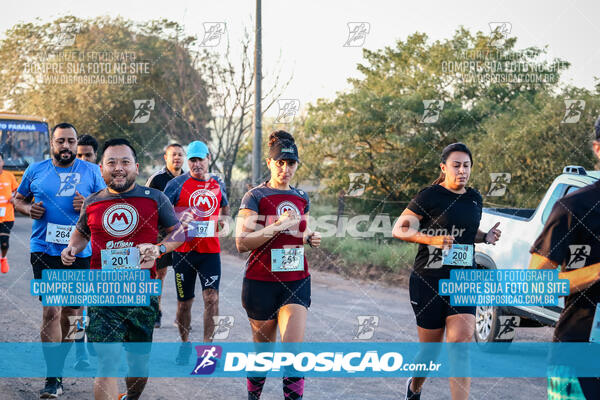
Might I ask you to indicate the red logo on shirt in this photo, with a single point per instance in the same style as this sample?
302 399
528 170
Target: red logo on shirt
287 206
120 220
203 203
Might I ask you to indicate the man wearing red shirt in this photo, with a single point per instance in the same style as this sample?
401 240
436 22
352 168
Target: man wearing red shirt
201 198
123 217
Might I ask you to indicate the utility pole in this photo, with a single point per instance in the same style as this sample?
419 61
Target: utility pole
256 150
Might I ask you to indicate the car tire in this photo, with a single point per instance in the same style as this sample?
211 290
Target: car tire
492 326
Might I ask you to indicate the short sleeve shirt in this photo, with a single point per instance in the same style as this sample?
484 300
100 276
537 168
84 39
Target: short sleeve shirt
113 221
159 179
571 238
445 213
56 187
8 184
269 204
203 199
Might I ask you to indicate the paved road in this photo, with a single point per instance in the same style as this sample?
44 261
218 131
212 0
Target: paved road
336 303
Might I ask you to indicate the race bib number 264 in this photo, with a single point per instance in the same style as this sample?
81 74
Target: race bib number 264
59 234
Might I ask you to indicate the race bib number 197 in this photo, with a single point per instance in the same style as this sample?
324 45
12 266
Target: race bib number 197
284 260
200 229
126 258
59 234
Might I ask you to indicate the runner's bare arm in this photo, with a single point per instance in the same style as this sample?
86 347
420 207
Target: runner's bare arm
407 228
172 239
34 210
310 235
480 236
76 245
78 200
579 279
149 252
247 238
223 211
12 197
492 236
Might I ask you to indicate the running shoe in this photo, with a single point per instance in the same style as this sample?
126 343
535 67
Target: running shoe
183 356
53 388
409 393
123 396
4 265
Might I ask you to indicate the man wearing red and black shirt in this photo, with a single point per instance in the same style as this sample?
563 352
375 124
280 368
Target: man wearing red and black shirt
199 198
124 217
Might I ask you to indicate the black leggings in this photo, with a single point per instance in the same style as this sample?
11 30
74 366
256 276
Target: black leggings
5 228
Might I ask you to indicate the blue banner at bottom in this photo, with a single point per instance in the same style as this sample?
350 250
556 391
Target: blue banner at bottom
321 359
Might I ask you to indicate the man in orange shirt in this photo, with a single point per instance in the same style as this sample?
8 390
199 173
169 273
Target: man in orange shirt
8 185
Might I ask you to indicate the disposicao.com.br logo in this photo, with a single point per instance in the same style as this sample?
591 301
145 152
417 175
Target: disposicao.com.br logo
215 358
318 360
323 362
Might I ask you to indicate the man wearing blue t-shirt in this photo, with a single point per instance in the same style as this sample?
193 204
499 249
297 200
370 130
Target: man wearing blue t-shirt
59 186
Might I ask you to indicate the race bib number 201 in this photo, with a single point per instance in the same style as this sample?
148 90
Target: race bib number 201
126 258
59 234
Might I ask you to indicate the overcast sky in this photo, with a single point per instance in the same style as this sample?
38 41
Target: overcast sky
310 35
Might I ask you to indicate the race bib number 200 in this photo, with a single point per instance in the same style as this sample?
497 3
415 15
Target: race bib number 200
460 255
284 260
126 258
59 234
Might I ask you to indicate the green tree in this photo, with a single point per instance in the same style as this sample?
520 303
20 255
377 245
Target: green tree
231 94
533 145
377 126
45 74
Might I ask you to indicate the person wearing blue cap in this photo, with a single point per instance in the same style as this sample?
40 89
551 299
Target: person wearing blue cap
199 199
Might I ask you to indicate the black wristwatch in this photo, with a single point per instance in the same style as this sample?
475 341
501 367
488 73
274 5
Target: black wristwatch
162 249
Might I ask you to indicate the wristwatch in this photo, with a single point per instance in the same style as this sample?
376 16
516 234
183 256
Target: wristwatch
162 249
309 240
